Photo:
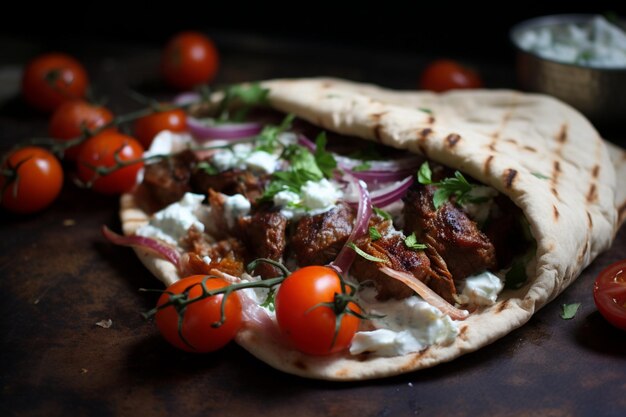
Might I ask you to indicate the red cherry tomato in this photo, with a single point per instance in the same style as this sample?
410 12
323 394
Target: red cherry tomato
100 151
149 126
189 59
310 326
52 79
32 180
199 316
609 293
70 120
445 74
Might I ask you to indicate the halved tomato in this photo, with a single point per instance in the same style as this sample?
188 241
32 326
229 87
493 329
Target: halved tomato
609 293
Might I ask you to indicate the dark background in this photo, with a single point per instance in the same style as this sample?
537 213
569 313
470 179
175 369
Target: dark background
438 29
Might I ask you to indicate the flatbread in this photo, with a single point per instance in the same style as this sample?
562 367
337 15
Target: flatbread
538 151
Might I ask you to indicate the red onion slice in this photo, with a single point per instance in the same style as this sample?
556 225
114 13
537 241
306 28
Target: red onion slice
202 132
399 164
372 176
164 251
426 293
186 98
390 193
346 256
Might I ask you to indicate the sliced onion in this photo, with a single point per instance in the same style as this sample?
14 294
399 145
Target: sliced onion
346 256
372 176
426 293
307 143
399 164
390 193
164 251
188 97
202 132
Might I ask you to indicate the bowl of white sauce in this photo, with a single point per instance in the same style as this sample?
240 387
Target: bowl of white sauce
580 59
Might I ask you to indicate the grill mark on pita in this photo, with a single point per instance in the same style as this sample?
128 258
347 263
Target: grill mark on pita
487 164
430 120
422 136
592 195
581 255
530 148
422 150
452 139
415 359
509 177
589 220
561 137
555 192
462 333
511 140
502 306
555 213
595 171
554 178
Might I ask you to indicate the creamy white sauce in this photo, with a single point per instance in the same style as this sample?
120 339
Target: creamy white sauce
408 325
175 220
235 206
481 289
315 197
243 156
596 43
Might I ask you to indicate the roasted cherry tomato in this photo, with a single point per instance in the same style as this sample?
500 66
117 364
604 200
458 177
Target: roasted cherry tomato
32 179
445 74
309 325
149 126
189 59
609 293
101 151
52 79
71 120
199 318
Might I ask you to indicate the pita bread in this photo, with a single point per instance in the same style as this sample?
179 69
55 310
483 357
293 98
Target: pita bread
538 151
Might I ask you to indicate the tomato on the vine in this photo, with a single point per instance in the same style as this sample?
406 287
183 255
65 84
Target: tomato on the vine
102 150
189 59
52 79
609 293
445 74
198 328
31 180
72 118
147 127
310 326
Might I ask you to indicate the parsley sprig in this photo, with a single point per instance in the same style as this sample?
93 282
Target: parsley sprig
456 186
246 96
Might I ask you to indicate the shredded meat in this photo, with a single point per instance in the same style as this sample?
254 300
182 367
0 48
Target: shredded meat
168 180
318 239
392 248
504 230
450 232
226 255
264 234
231 182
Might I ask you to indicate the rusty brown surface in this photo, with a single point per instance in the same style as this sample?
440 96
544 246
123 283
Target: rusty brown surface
58 277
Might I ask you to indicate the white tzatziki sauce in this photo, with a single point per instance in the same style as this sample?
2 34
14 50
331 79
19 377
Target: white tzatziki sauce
243 156
408 325
175 220
481 289
315 197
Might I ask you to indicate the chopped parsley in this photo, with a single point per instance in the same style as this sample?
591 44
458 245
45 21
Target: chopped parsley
267 140
364 254
411 242
540 176
207 168
246 95
374 234
456 186
382 213
324 159
426 110
569 311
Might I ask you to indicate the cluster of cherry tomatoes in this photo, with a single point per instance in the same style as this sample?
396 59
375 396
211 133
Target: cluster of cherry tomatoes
86 134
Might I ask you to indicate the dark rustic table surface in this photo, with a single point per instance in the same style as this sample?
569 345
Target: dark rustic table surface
58 277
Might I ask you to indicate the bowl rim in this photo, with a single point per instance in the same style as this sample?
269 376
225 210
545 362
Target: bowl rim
553 20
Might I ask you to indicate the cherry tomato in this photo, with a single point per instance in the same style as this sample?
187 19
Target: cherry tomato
71 119
445 74
32 179
147 127
100 151
310 326
199 316
609 293
52 79
189 59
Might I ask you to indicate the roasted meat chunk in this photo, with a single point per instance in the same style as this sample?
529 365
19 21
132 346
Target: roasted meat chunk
450 232
318 239
168 180
264 234
231 182
392 248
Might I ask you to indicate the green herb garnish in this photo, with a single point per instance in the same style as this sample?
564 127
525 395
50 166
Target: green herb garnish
540 176
569 311
363 166
411 242
267 140
382 213
207 168
248 95
365 255
324 160
453 186
374 234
